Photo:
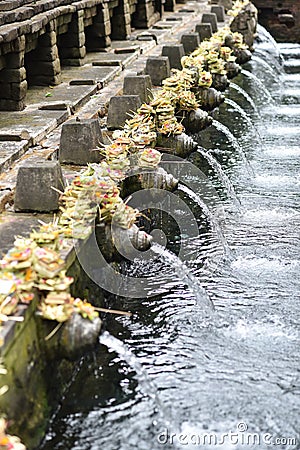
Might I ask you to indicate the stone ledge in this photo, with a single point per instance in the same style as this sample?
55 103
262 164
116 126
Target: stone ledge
38 19
10 152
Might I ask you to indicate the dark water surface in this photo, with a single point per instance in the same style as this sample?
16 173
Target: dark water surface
236 370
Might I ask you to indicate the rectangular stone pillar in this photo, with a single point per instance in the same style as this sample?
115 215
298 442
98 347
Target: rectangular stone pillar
72 44
145 14
13 84
43 64
169 5
97 35
121 21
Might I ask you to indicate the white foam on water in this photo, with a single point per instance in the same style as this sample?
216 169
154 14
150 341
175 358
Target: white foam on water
264 330
282 151
263 265
269 216
277 180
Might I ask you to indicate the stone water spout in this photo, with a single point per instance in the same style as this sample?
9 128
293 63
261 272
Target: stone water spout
220 82
157 178
112 240
209 98
195 120
180 144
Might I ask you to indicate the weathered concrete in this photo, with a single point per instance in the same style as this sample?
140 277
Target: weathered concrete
174 52
158 67
204 30
79 142
219 11
30 124
190 42
138 85
210 18
34 186
119 109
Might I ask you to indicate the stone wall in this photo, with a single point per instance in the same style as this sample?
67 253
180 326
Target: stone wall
38 37
282 18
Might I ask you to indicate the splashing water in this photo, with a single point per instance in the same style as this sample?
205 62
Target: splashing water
261 89
185 275
235 143
246 96
245 116
276 65
267 66
221 175
115 345
268 38
214 223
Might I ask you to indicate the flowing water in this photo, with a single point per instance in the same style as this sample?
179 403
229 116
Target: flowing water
209 214
185 275
230 380
225 181
241 111
246 96
260 89
265 36
234 142
271 59
267 69
246 118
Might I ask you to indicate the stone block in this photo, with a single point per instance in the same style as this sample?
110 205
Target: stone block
42 80
212 19
204 30
74 40
9 33
15 60
18 45
52 25
190 42
11 105
79 141
73 52
174 52
158 67
18 90
138 85
2 62
62 29
47 39
119 109
104 13
35 181
219 11
13 75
